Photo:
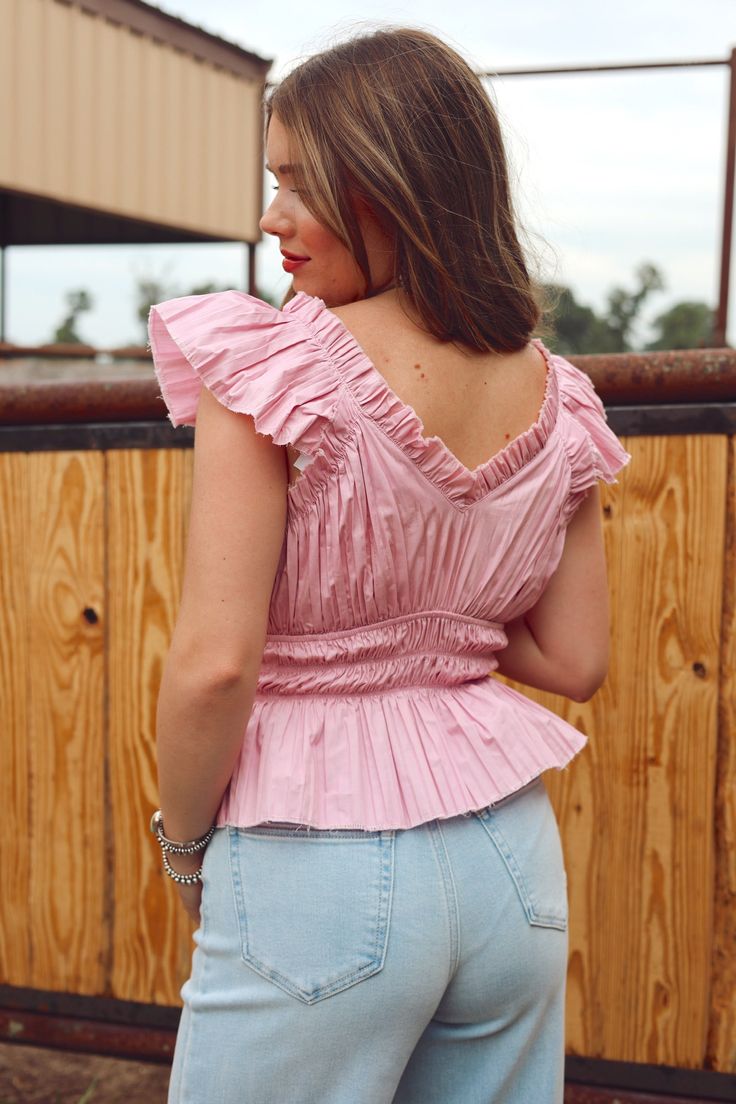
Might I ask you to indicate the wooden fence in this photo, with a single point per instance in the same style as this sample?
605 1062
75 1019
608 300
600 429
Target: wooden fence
90 569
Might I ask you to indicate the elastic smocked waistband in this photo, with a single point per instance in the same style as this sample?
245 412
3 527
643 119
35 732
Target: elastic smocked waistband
434 648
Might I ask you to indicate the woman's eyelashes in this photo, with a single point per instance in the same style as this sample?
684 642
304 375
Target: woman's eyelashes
277 186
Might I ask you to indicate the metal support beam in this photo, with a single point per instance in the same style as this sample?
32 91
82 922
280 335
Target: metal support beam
609 67
3 291
252 280
721 320
720 325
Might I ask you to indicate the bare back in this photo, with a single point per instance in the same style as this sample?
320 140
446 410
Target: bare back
474 402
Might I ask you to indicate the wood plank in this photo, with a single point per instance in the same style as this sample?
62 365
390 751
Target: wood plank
148 510
653 961
721 1049
636 810
670 636
67 899
15 794
581 796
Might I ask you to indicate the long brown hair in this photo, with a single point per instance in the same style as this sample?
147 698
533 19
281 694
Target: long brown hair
399 120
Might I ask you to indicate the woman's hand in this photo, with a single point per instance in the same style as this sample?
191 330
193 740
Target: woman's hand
191 898
189 895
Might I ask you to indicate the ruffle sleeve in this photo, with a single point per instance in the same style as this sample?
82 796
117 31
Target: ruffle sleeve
254 359
594 451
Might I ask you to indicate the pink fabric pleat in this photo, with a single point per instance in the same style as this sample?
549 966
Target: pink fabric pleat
376 707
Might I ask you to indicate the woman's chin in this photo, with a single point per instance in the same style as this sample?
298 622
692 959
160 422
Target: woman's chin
298 283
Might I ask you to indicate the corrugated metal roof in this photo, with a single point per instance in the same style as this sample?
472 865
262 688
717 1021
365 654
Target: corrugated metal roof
123 123
158 24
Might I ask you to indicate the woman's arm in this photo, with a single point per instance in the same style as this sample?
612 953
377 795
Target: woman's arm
562 643
236 532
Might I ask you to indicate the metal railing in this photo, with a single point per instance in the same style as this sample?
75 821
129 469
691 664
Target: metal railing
721 314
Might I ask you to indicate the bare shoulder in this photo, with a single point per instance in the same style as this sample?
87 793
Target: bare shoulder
383 321
475 402
350 311
534 361
368 314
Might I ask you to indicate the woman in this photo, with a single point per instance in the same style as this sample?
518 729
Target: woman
395 493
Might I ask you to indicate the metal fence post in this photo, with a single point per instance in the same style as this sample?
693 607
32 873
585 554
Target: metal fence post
721 320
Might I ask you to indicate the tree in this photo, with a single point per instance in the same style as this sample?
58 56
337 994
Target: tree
577 328
77 301
624 307
687 325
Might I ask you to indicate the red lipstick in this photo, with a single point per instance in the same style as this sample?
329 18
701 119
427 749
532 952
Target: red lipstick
292 261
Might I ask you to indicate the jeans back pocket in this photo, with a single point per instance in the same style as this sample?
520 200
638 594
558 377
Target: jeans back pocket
524 831
313 905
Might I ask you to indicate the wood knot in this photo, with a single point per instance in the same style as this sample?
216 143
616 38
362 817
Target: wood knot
90 615
699 670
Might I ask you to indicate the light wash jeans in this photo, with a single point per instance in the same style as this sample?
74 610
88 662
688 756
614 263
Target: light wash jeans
416 966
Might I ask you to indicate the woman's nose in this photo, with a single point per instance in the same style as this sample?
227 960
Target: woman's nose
274 220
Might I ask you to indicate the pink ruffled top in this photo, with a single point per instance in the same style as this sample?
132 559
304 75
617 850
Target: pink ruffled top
399 569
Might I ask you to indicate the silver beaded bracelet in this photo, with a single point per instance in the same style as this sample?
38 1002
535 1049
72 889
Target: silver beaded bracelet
177 848
182 879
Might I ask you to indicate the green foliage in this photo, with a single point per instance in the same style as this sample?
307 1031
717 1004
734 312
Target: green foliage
77 302
624 307
687 325
576 328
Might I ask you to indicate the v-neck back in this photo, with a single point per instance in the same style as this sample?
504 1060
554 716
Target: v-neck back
450 377
401 422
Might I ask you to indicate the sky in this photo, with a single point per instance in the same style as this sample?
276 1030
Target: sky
609 170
